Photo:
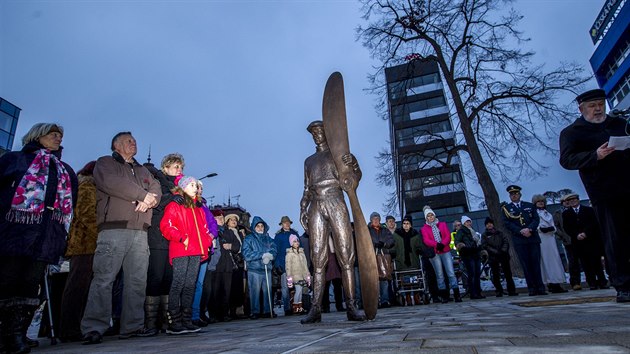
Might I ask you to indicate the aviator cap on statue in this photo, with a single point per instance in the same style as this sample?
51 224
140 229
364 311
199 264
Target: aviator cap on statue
591 95
314 124
513 189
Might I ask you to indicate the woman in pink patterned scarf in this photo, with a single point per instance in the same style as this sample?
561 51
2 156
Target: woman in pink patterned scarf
37 195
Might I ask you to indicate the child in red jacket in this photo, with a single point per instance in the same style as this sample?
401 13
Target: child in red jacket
184 225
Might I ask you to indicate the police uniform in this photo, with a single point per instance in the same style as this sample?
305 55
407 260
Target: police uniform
517 216
607 185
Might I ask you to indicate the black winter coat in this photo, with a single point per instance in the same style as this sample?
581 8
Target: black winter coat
46 241
495 242
226 261
471 249
155 238
606 179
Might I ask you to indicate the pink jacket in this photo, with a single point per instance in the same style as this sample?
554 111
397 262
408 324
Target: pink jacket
429 240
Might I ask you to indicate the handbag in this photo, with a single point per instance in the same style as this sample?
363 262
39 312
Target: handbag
384 265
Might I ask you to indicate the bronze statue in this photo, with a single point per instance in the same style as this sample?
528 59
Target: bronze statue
323 209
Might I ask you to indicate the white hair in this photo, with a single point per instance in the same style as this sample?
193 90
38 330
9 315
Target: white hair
38 130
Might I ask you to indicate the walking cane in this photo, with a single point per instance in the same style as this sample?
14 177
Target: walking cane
53 340
269 293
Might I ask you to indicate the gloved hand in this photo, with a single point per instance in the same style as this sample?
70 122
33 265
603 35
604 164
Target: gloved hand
379 244
440 246
290 282
178 199
267 257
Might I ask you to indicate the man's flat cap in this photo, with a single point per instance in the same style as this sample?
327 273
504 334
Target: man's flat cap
591 95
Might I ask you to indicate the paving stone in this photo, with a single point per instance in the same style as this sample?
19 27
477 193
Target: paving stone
483 326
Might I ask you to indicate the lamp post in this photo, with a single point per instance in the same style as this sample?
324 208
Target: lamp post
209 175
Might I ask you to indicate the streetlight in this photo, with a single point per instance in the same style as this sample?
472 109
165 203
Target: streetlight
209 175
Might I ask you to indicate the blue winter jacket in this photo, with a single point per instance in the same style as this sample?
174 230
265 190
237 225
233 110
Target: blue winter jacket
255 245
282 243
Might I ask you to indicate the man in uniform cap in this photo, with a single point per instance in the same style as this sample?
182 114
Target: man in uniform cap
521 219
604 172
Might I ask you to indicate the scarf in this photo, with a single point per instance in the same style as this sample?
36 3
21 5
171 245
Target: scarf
475 236
436 232
27 206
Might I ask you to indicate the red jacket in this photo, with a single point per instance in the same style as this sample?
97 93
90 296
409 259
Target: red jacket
429 239
180 223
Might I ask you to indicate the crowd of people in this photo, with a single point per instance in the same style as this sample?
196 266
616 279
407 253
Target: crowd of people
147 254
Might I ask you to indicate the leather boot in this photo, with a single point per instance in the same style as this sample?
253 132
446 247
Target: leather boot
15 334
187 321
408 301
174 320
163 313
314 315
352 312
30 313
416 299
151 311
456 295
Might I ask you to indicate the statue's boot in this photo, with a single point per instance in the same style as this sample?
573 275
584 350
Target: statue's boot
314 315
352 312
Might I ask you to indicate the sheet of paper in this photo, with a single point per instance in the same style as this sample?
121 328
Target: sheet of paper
619 142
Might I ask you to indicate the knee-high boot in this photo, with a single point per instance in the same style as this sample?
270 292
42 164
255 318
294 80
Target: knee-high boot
13 330
151 312
347 278
315 314
163 315
30 313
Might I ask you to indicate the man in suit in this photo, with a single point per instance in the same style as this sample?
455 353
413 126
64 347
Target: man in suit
572 258
581 224
521 219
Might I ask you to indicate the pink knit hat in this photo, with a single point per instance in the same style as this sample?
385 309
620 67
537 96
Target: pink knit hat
292 239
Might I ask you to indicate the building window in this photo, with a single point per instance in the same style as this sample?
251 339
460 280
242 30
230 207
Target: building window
418 109
422 134
414 86
433 185
618 59
6 122
427 159
620 91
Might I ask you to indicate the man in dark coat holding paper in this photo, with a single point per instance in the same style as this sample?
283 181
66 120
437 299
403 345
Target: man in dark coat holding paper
604 172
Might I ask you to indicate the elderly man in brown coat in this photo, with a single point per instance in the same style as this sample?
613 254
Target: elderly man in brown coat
125 193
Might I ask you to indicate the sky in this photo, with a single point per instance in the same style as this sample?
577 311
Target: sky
231 85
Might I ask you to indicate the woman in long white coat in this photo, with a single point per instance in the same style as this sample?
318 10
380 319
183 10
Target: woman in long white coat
551 267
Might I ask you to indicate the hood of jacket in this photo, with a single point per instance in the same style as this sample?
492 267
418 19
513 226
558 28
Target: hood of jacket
256 220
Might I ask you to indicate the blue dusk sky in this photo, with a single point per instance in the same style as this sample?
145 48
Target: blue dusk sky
231 85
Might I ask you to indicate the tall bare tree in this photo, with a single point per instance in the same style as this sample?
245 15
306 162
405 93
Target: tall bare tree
504 107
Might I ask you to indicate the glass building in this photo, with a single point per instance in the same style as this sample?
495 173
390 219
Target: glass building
611 59
9 114
426 169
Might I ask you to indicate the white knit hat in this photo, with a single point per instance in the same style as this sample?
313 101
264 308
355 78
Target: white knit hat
465 218
427 210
